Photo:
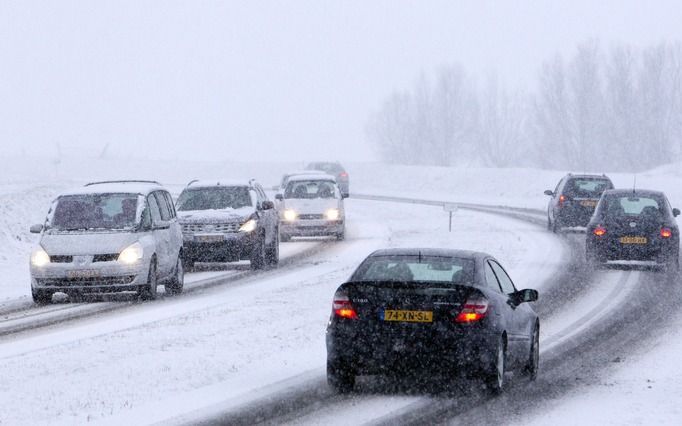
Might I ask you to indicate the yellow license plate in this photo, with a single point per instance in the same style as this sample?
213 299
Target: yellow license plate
87 273
633 240
408 316
588 203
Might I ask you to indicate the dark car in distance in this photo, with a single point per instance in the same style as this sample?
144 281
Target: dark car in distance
633 225
335 169
431 310
574 199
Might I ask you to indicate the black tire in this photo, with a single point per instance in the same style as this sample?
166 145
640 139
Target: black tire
149 290
531 368
285 238
272 252
258 254
176 284
341 235
495 379
555 227
41 297
340 377
187 263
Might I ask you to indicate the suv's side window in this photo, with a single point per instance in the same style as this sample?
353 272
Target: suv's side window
154 208
163 206
505 282
490 278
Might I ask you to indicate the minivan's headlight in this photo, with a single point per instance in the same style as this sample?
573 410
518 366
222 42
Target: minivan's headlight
332 214
39 257
290 215
131 254
249 226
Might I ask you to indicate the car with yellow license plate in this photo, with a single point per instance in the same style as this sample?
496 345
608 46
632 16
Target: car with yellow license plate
423 310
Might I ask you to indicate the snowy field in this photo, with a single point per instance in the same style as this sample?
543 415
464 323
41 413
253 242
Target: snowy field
233 343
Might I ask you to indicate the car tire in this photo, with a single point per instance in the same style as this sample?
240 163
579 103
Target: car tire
495 379
272 253
258 254
187 263
41 297
531 368
149 290
340 377
176 284
341 235
284 238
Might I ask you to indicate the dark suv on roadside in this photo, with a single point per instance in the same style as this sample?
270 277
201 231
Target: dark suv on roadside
335 169
574 200
227 221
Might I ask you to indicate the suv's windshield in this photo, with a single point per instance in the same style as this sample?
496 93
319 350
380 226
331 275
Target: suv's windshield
587 188
94 211
217 198
310 189
416 268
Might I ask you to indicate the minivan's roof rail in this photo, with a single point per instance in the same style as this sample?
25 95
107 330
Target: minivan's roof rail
123 181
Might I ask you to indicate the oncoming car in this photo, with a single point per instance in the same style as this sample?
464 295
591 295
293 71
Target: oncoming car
449 311
574 200
335 169
108 237
311 205
633 225
227 221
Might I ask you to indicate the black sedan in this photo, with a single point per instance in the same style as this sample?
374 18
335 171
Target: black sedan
633 225
431 310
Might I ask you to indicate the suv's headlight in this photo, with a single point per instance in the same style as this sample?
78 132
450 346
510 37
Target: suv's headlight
290 215
39 257
332 214
131 254
249 226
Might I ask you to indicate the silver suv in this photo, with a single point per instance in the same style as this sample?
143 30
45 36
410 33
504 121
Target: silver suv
108 237
227 221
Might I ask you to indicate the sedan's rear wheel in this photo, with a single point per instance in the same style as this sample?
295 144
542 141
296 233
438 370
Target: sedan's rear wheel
340 377
495 379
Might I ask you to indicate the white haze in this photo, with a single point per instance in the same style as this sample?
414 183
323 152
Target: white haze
266 80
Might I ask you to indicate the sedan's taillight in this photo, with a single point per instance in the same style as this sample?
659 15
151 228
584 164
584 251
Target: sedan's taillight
342 307
475 309
666 233
562 200
599 231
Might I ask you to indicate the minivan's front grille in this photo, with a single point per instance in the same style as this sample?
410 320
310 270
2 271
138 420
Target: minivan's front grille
105 257
210 227
99 281
61 259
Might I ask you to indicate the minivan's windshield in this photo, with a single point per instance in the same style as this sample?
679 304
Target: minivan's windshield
94 211
214 198
416 268
310 189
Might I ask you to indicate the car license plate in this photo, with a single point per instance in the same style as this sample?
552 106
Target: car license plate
84 273
209 238
588 203
633 240
408 316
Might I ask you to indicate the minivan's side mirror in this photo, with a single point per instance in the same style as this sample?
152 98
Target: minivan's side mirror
526 295
268 205
279 197
549 192
676 212
36 229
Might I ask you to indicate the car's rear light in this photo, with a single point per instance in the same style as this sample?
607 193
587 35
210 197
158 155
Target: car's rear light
599 231
666 233
343 174
562 200
342 306
475 309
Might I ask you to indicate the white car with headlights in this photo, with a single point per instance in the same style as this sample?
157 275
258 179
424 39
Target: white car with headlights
311 205
108 237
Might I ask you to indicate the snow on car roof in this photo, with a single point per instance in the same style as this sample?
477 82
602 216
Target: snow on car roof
217 182
313 176
115 188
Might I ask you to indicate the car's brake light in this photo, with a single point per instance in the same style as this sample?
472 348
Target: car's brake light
599 231
666 233
342 306
475 309
562 200
343 174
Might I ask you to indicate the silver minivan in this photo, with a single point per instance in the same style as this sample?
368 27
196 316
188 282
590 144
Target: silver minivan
108 237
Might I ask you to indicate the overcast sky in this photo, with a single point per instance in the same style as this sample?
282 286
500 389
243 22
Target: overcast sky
290 80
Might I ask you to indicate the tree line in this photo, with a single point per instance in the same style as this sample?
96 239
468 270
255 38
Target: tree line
616 109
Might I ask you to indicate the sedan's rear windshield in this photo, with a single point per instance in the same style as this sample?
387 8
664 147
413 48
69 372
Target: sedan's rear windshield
588 188
633 206
214 198
416 268
94 211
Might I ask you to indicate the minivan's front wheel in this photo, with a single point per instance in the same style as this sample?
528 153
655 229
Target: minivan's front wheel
149 290
178 281
41 297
